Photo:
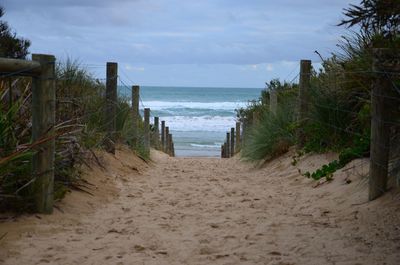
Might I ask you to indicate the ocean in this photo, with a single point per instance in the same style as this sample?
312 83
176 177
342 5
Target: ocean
198 117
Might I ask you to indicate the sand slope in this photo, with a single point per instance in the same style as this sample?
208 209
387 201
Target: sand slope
212 211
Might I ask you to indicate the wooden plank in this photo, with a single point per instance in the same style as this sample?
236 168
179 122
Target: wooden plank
20 67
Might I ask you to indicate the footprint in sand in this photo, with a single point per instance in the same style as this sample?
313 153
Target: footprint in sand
43 261
207 251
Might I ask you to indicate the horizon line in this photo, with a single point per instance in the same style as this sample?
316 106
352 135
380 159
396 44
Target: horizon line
181 86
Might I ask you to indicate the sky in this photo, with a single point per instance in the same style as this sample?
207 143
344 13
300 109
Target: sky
212 43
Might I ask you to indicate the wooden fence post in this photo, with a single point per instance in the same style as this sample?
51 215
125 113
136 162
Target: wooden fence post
170 144
166 150
304 87
232 142
163 136
146 129
111 106
237 137
228 143
135 113
172 148
43 121
156 135
382 106
225 150
222 151
273 101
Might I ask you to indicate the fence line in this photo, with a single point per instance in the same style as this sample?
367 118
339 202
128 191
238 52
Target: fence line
45 107
42 70
384 98
156 136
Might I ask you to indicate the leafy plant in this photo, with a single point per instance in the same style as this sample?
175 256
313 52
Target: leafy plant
361 149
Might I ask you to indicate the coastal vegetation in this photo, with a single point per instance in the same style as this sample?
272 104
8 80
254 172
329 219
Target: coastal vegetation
80 126
339 98
11 46
338 117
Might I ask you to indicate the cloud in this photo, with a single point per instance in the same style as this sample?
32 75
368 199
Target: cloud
129 67
40 4
175 32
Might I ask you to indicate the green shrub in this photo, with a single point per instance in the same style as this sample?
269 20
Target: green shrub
359 150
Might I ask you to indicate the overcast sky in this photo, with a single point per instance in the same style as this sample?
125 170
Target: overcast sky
229 43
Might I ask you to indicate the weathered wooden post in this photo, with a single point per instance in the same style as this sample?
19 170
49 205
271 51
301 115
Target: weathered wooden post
273 101
111 106
173 149
232 142
237 137
228 143
225 148
382 111
156 135
304 87
135 113
43 121
166 150
222 151
146 129
170 144
163 136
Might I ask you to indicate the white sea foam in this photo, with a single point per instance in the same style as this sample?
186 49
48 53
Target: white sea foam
162 105
205 145
198 117
201 123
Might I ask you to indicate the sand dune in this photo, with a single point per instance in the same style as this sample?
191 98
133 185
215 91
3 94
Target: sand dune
211 211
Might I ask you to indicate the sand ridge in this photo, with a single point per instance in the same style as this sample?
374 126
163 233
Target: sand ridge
213 211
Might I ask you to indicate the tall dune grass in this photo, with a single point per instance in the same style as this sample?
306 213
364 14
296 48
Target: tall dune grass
271 136
80 127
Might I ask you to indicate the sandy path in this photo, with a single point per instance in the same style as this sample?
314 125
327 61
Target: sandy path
212 211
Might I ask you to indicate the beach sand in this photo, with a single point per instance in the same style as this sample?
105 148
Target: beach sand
211 211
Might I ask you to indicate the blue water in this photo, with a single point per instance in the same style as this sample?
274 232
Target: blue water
198 117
